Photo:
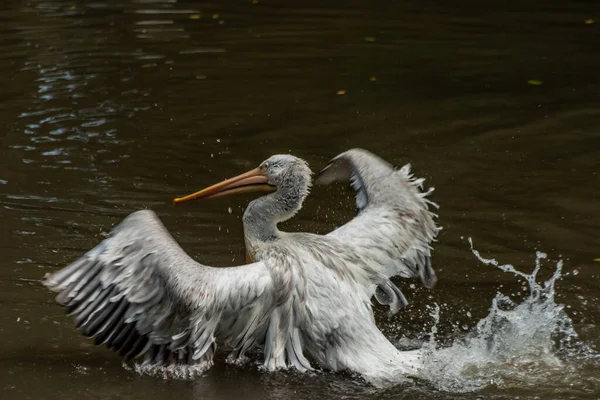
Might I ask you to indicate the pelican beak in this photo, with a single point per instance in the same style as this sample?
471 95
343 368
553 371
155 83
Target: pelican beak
251 181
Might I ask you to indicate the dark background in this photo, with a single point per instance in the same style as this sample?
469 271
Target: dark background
109 107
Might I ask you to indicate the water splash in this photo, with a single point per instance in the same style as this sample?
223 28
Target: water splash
516 344
180 372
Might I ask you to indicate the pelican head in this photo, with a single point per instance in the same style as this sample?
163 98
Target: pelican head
287 177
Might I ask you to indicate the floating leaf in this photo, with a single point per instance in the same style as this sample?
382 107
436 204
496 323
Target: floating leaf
589 21
215 16
195 16
597 259
534 82
341 92
370 39
373 79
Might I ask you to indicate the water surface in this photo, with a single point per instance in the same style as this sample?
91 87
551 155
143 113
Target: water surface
109 107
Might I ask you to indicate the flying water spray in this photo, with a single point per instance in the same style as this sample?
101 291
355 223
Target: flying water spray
517 344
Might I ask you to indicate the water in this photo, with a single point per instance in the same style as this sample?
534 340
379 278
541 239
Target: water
109 107
522 344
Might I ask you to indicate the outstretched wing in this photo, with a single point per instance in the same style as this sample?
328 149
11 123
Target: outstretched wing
140 293
394 227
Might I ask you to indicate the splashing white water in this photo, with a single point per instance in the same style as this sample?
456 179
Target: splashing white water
514 344
182 372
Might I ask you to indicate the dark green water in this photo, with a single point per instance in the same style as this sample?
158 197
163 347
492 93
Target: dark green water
111 106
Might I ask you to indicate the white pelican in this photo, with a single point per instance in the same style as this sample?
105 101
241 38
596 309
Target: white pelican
305 298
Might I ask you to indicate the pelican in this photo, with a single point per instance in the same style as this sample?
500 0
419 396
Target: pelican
304 299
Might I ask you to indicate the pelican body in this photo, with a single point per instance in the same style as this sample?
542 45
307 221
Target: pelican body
305 299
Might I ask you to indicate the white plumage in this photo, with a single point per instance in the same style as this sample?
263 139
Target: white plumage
306 300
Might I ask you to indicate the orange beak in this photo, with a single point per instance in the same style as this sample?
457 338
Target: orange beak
251 181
